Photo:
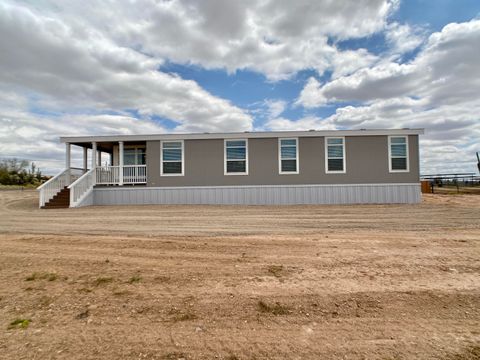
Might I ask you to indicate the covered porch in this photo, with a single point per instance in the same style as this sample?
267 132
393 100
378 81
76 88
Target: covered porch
110 164
115 163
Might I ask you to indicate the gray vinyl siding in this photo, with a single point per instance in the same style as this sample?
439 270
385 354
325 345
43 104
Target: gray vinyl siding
260 194
366 162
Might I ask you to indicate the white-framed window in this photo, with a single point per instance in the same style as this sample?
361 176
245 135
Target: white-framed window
288 156
172 156
335 155
134 155
398 154
236 157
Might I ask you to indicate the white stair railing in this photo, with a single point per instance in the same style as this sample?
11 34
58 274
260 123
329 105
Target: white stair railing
53 186
82 187
80 183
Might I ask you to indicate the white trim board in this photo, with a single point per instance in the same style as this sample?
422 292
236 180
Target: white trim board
297 171
183 158
225 159
239 135
344 171
407 157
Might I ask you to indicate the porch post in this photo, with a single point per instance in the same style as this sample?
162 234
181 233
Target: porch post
120 163
85 159
68 149
94 154
67 155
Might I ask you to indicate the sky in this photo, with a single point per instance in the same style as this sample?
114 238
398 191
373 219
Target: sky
86 67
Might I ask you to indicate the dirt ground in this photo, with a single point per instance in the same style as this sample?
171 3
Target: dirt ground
231 282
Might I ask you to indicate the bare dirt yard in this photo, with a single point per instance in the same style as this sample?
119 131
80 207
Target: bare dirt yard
228 282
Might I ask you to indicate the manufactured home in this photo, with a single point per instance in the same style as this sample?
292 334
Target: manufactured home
254 168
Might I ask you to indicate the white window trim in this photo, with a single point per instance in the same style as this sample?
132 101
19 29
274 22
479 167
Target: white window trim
344 171
161 157
225 157
390 154
297 171
136 147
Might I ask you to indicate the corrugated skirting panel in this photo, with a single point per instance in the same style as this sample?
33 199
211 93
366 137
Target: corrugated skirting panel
261 195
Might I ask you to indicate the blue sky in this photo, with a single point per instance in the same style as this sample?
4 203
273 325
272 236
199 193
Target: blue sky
70 67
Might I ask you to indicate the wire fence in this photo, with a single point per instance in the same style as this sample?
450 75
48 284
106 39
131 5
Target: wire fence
459 182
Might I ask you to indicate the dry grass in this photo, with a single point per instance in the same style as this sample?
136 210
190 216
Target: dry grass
274 309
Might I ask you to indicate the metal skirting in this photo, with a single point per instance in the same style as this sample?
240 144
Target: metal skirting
261 195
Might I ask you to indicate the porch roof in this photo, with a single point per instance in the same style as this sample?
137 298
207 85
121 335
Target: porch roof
237 135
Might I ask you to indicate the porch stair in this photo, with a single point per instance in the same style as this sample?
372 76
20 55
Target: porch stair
60 201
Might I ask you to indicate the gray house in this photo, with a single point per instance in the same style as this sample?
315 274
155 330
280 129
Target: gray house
295 167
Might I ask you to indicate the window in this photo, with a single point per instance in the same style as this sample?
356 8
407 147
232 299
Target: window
398 153
335 155
288 156
236 157
172 160
134 156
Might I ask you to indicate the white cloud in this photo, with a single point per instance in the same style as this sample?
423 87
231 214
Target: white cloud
275 107
349 61
305 123
445 71
77 68
311 95
403 38
275 38
380 82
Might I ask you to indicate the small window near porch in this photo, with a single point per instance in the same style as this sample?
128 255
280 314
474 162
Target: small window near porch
172 158
134 156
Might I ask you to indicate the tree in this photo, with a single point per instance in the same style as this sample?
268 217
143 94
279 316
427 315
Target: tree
19 172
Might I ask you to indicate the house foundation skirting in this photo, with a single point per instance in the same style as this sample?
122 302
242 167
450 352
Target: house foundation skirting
259 195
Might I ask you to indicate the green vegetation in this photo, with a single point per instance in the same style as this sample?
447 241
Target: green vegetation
19 323
20 173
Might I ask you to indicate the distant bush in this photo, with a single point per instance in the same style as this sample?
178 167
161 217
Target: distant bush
19 172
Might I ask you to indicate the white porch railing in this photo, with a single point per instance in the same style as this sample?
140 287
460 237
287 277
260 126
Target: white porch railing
107 175
50 188
132 174
82 187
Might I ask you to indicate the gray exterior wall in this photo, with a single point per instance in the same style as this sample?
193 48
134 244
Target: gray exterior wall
366 163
